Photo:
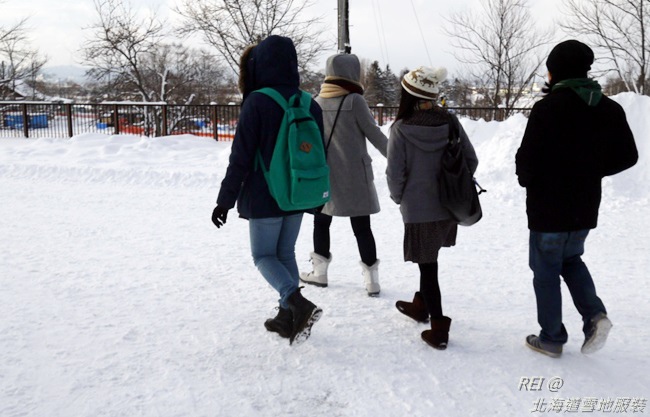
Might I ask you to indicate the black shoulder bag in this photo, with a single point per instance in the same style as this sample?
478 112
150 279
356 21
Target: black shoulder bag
458 192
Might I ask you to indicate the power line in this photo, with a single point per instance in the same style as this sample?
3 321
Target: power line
421 33
383 31
383 50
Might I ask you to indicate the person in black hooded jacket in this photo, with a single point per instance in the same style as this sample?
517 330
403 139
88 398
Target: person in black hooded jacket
575 136
273 232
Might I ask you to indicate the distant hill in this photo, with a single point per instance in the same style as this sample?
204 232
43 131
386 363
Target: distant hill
65 72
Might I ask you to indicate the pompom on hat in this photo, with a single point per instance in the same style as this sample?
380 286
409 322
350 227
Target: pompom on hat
569 59
424 82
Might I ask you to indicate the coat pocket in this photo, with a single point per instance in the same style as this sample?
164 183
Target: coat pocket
367 166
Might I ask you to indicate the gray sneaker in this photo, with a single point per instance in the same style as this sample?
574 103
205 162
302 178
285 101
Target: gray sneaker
596 335
549 349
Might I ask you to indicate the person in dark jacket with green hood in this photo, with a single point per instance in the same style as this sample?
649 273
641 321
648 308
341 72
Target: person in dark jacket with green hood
273 232
575 136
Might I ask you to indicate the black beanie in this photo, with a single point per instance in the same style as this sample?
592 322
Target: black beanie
569 59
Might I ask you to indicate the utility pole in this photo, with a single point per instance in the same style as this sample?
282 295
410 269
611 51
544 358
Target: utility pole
344 28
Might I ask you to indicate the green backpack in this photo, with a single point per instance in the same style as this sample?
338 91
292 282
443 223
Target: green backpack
298 176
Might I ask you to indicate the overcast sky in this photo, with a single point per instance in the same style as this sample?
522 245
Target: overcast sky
382 30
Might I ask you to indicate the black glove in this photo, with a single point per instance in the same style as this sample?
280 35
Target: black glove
219 216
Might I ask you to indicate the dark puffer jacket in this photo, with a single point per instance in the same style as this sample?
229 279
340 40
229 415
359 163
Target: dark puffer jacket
567 149
273 63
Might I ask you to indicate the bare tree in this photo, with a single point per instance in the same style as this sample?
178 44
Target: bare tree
621 30
231 25
132 56
13 31
18 60
501 48
311 81
120 45
458 92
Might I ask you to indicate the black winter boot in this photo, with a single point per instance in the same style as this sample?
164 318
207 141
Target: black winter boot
305 314
415 309
282 323
438 336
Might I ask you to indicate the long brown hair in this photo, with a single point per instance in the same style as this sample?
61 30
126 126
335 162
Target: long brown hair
406 105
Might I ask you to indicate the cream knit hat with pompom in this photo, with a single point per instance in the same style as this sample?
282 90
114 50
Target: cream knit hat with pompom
424 82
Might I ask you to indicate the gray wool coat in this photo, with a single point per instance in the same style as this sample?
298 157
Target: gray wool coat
352 187
414 163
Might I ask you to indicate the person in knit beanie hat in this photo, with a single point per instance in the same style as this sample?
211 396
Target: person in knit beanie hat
569 59
424 82
568 65
418 139
348 123
575 137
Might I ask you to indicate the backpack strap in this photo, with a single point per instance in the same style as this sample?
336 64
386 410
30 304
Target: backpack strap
327 146
304 101
282 102
273 93
303 97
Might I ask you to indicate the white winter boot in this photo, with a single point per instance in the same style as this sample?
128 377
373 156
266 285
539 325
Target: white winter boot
371 278
318 276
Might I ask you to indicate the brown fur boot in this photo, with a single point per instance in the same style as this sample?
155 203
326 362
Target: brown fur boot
415 309
438 336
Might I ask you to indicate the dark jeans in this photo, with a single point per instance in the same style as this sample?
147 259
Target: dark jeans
362 232
559 254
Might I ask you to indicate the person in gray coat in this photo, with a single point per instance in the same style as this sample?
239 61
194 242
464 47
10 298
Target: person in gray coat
415 148
348 122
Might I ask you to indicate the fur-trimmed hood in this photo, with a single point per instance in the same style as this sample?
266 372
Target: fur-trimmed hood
272 63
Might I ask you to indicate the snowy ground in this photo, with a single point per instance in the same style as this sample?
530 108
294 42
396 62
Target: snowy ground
118 297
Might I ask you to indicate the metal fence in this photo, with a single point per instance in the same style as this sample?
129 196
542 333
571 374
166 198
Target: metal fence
386 115
31 119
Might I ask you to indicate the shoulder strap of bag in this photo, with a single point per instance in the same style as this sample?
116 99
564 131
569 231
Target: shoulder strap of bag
327 146
453 139
282 102
275 96
454 133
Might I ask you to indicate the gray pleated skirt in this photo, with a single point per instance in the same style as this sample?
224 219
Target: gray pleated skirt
422 241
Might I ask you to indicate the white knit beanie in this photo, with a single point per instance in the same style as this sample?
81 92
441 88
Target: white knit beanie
423 82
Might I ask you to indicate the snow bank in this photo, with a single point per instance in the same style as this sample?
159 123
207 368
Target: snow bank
497 143
634 183
183 160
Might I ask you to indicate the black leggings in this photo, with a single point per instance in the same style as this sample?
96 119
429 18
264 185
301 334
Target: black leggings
362 232
430 288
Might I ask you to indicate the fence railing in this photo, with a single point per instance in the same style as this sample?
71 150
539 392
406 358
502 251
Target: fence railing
31 119
385 115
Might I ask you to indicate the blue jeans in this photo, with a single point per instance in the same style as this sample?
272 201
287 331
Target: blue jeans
559 254
273 243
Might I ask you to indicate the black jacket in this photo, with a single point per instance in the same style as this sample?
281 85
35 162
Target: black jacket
567 149
273 63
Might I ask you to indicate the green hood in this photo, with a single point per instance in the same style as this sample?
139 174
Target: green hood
588 90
